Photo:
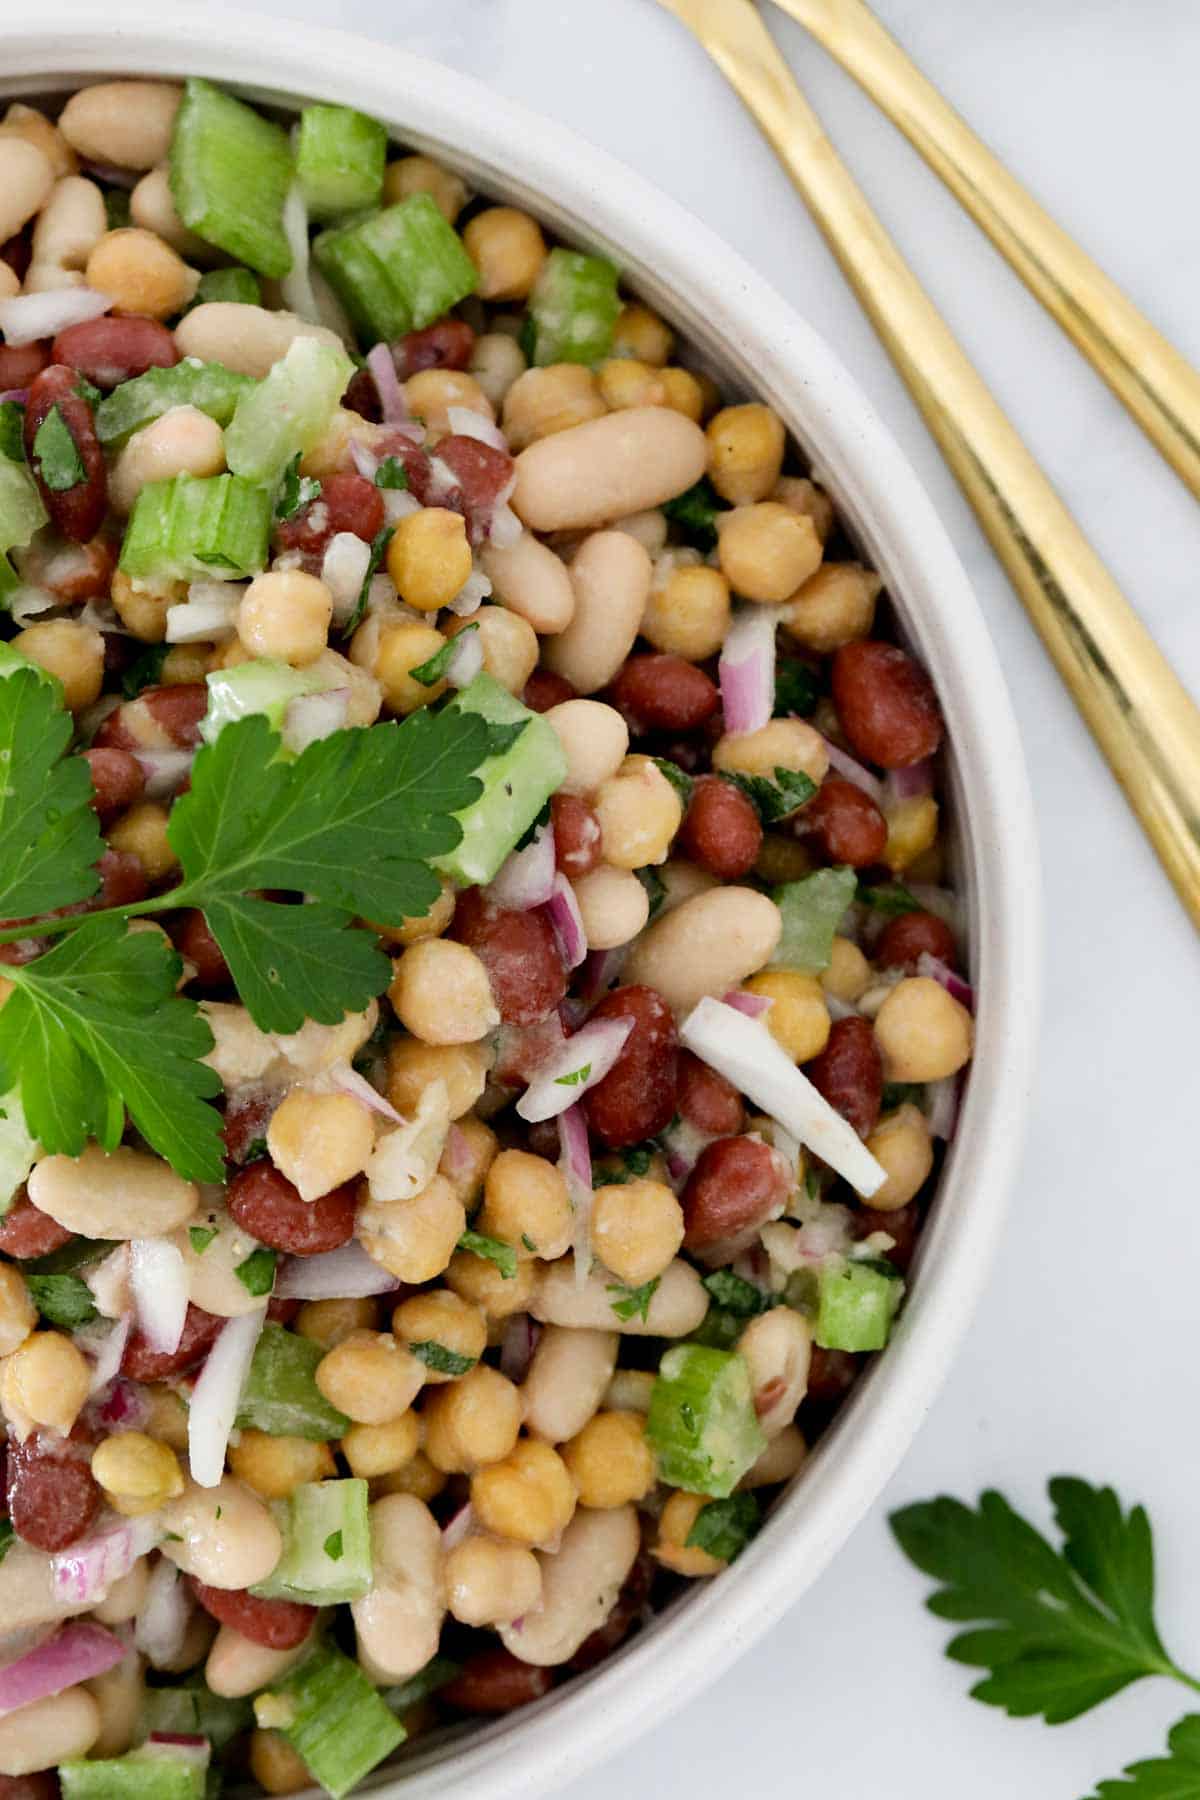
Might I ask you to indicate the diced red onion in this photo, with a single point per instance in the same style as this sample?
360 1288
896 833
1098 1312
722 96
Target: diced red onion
460 1527
526 877
392 404
522 1051
682 1143
18 395
165 771
347 1273
27 317
398 504
457 1156
909 783
163 1618
504 528
571 1011
562 910
106 1351
753 1005
83 1574
465 422
109 1282
936 970
351 1082
471 595
343 570
365 461
942 902
191 1739
575 1163
109 175
159 1284
209 612
584 1060
310 717
600 971
517 1344
846 766
124 1407
942 1116
466 659
79 1652
216 1394
747 669
296 288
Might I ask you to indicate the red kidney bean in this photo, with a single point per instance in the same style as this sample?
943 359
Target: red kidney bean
636 1099
197 945
849 1073
913 934
706 1100
886 704
362 396
848 825
276 1624
52 1495
77 511
73 572
122 880
42 1786
446 344
245 1126
519 952
172 714
495 1681
347 502
141 1363
631 1602
901 1225
109 351
26 1231
831 1374
545 689
576 835
17 252
721 830
117 781
737 1183
660 692
19 363
280 1311
481 474
264 1203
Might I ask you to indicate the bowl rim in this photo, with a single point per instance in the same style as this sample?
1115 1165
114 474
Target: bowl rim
720 301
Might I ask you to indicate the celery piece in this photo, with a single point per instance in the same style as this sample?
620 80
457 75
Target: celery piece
517 782
702 1421
210 387
262 686
340 155
281 1397
856 1303
326 1556
284 414
193 1711
397 270
230 172
196 526
133 1777
812 910
239 285
21 509
573 308
341 1728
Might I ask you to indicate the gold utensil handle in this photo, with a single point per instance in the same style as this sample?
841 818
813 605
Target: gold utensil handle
1135 706
1147 374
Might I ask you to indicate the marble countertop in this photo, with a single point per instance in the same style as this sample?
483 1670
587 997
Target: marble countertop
1081 1356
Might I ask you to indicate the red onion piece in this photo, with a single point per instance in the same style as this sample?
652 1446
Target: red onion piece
464 422
526 877
909 783
747 669
106 1351
846 766
351 1082
600 971
83 1574
943 1097
165 1613
562 909
77 1653
753 1005
466 658
124 1407
159 1285
27 317
165 771
216 1394
936 970
459 1527
517 1345
19 395
347 1273
392 403
583 1060
575 1162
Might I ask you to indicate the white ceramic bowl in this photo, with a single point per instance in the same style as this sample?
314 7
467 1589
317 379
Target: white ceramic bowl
757 345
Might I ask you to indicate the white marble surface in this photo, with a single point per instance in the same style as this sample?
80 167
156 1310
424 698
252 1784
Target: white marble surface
1082 1356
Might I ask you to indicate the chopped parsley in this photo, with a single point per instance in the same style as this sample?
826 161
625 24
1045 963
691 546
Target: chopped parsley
391 473
333 1546
723 1528
427 673
796 689
503 1255
679 779
891 898
655 887
64 1300
695 514
296 491
574 1077
631 1302
12 431
774 800
58 461
257 1273
7 1537
379 544
739 1297
200 1237
441 1360
144 671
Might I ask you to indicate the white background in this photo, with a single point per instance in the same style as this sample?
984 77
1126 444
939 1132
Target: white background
1082 1355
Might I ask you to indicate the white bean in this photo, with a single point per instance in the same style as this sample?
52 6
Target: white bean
212 1277
9 283
496 362
70 225
122 1194
608 468
127 123
398 1623
46 278
681 880
152 206
614 907
119 1693
530 580
611 576
184 441
123 1600
778 1348
48 1732
706 945
580 1584
223 1535
678 1304
595 739
243 337
649 528
26 178
237 1667
566 1381
27 1598
779 1461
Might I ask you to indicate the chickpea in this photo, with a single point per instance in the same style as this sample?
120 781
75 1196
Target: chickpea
142 832
849 972
414 1238
425 925
286 614
431 393
429 558
472 1422
70 651
492 1584
648 527
781 858
642 334
370 1377
18 1314
627 382
799 1019
45 1380
496 362
470 1151
277 1768
184 441
901 1143
835 606
441 1317
688 612
142 274
803 495
320 1140
373 1450
421 175
639 813
745 452
143 610
594 738
475 1278
528 1498
412 1065
275 1466
331 1322
610 1461
912 830
783 744
526 1204
185 663
674 1528
509 644
397 651
508 249
637 1227
923 1033
683 392
137 1473
766 550
544 401
613 905
417 1477
440 992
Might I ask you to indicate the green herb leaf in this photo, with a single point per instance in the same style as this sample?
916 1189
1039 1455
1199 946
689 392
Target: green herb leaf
145 671
503 1255
892 899
631 1302
379 544
502 737
257 1273
333 1546
638 1157
531 830
901 1093
796 689
64 1300
58 461
7 1537
49 836
436 1673
1172 1777
724 1527
529 1243
774 800
679 779
87 391
117 211
391 473
427 673
655 887
12 431
739 1297
200 1237
695 513
574 1077
440 1360
295 490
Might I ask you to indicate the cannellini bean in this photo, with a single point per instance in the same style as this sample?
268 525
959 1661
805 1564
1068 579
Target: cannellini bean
399 1621
706 945
530 580
226 1537
682 880
152 206
48 1732
567 1380
246 338
611 577
128 123
594 738
778 1347
212 1276
27 1599
124 1598
608 468
580 1584
26 178
120 1194
120 1694
9 281
779 1461
237 1667
70 225
677 1306
613 905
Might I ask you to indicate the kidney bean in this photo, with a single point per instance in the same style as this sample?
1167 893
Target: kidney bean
481 474
160 718
737 1184
519 952
42 1786
141 1363
545 689
19 363
913 934
117 781
902 1225
446 344
831 1374
280 1311
495 1681
122 880
17 252
576 835
275 1624
636 1099
721 830
849 1073
847 824
660 692
706 1100
109 351
77 511
245 1126
362 396
197 945
265 1204
52 1496
608 1637
73 572
26 1231
347 502
886 704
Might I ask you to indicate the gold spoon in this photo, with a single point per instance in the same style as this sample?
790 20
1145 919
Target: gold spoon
1135 706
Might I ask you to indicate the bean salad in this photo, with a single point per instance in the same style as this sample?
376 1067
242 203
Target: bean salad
483 1006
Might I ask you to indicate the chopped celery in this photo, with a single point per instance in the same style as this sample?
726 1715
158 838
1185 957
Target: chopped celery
197 526
230 172
210 387
193 1711
261 686
812 910
135 1776
21 509
341 1728
856 1303
517 782
340 155
286 412
326 1556
280 1396
240 285
397 270
573 308
702 1421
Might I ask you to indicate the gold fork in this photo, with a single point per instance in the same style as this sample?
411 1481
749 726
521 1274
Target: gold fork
1134 704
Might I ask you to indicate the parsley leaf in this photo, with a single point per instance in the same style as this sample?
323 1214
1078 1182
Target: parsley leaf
257 1273
8 1537
64 1300
436 1673
901 1093
631 1302
12 431
295 490
1173 1777
440 1360
695 513
391 473
892 899
333 1546
379 544
200 1237
796 689
739 1297
145 671
58 461
724 1527
49 836
503 1255
655 887
430 672
774 800
573 1077
679 779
